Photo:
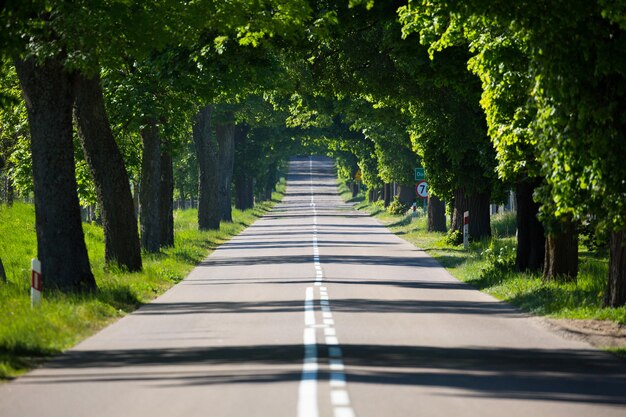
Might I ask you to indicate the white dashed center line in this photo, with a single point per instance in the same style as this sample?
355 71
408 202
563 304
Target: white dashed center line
339 398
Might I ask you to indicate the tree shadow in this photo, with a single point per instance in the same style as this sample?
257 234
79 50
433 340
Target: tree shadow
569 376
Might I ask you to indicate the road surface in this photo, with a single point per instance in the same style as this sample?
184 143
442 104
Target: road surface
317 310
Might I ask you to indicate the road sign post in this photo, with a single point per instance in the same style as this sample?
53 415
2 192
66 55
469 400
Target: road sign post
36 283
466 229
421 189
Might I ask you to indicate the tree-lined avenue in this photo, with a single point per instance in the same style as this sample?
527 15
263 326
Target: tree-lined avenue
408 338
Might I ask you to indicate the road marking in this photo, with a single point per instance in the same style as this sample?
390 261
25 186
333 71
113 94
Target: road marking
307 395
336 364
309 308
344 412
339 397
334 352
337 379
332 340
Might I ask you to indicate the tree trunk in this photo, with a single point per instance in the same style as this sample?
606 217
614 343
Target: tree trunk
9 191
3 274
225 133
615 295
436 215
531 238
244 190
270 181
166 200
387 194
406 194
60 240
150 187
478 207
136 199
561 254
121 237
354 187
209 207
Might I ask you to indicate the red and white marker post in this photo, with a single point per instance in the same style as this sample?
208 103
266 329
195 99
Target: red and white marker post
466 229
36 283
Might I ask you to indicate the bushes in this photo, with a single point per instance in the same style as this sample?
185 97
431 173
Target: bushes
397 207
454 237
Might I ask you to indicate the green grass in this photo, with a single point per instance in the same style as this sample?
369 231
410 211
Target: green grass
489 266
30 336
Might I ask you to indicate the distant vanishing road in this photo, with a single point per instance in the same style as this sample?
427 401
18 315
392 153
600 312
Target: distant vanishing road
317 310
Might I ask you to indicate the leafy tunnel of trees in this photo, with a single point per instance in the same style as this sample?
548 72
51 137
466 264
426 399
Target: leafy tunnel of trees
131 106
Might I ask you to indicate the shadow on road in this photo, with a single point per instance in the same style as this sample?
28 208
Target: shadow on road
582 376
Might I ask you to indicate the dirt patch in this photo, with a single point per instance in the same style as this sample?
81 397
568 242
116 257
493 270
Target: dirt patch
598 333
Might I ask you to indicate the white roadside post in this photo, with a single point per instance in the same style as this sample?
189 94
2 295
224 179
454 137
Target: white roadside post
466 229
36 283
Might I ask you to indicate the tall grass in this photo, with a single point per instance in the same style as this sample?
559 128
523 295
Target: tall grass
28 336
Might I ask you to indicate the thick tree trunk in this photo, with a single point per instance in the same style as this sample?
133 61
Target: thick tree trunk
387 194
561 254
531 238
436 215
225 133
406 194
150 188
60 240
3 274
270 181
244 190
615 295
478 207
209 207
166 200
121 237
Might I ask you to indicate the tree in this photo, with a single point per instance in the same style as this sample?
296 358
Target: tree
150 191
166 199
48 43
574 106
209 212
225 135
434 103
47 88
121 239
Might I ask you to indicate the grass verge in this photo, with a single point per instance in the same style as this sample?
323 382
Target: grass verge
30 336
489 267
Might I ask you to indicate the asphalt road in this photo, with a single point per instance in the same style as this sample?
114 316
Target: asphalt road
317 310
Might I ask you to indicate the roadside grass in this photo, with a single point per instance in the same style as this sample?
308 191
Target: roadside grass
489 266
30 336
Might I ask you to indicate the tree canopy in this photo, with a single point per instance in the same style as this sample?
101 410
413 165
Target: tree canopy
486 95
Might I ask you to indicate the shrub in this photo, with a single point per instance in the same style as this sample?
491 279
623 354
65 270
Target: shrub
379 204
397 207
500 260
454 237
